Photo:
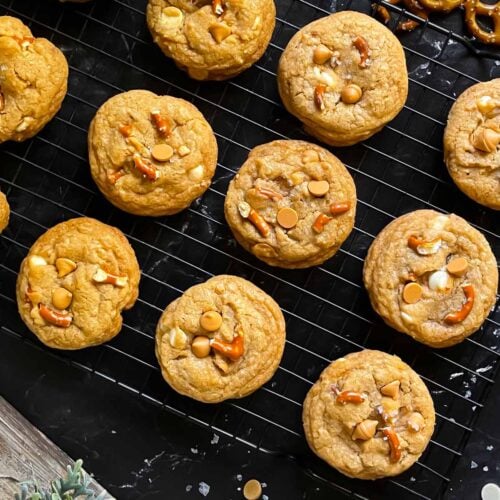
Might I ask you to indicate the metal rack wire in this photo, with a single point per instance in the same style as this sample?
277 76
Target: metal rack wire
327 312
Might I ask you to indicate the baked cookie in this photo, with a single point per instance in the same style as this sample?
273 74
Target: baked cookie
292 204
344 76
4 212
431 276
369 415
221 339
74 283
472 143
149 154
212 40
33 81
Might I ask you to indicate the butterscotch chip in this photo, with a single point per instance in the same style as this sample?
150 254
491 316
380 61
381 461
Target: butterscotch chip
287 217
322 54
381 69
211 321
252 490
451 307
92 312
61 298
457 266
164 183
350 437
237 359
275 183
318 188
412 292
472 143
34 78
162 152
213 41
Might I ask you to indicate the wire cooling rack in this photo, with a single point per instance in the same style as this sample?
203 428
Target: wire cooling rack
328 315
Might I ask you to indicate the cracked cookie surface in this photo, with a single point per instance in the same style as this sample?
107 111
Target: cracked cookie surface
431 276
74 283
151 155
221 339
212 40
344 76
305 183
472 143
33 81
4 212
369 415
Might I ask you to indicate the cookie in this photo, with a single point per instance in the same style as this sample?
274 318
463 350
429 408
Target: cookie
33 81
74 283
344 76
431 276
151 155
212 40
472 143
4 212
292 204
369 415
221 339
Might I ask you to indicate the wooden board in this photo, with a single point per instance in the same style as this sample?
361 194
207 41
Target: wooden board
26 453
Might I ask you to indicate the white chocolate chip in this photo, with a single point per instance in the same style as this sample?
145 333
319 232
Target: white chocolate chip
325 77
439 281
184 151
25 123
196 173
172 18
177 338
429 248
256 23
407 318
244 209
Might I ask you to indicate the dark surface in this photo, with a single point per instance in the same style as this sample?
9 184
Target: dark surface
140 439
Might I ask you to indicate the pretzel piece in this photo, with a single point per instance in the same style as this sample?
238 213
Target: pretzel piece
475 9
441 5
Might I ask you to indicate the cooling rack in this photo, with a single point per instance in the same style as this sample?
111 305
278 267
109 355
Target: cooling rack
327 311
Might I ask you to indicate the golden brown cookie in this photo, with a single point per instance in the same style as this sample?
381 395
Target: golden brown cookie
221 339
4 212
344 76
292 204
74 283
472 143
212 39
149 154
369 415
33 81
431 276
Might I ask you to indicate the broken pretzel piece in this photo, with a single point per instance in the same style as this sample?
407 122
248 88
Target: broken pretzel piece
321 221
145 167
218 7
247 212
269 193
102 277
114 176
394 444
162 124
319 96
345 397
340 208
424 247
459 316
233 350
364 51
55 318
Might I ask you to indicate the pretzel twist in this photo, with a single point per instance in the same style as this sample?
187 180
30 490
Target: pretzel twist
475 8
441 5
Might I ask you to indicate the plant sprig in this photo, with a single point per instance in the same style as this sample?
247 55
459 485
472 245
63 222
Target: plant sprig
74 485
